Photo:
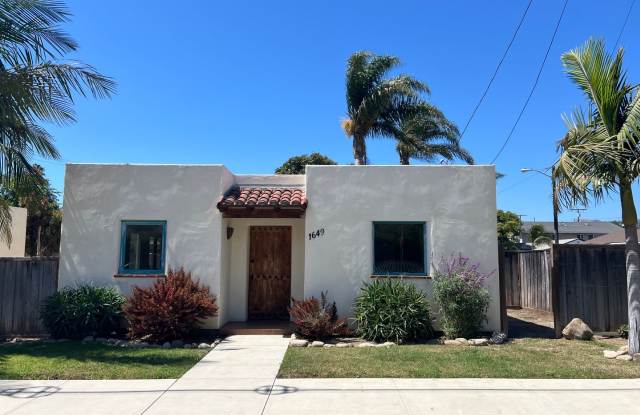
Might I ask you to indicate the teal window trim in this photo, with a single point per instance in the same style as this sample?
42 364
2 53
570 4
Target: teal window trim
424 246
123 236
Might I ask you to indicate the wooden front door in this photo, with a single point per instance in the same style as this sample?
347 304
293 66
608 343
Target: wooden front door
269 272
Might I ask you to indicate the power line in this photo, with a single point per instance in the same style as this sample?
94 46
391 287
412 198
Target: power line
504 55
535 84
626 19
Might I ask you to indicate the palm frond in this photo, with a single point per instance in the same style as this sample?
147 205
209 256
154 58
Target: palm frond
5 221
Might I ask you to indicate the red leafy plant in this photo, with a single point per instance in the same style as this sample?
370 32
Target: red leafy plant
171 309
316 319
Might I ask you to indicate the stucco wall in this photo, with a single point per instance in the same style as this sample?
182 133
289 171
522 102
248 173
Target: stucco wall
98 197
239 262
458 203
18 234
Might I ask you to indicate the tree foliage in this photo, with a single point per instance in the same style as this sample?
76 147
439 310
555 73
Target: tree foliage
509 228
297 164
536 231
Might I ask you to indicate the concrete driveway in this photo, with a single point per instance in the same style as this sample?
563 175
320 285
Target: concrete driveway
239 377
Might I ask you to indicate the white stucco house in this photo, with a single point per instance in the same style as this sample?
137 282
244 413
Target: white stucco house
258 240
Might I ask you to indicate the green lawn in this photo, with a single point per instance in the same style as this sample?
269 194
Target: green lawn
522 358
77 360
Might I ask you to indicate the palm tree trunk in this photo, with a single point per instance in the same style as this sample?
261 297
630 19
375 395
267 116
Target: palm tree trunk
404 158
359 150
632 259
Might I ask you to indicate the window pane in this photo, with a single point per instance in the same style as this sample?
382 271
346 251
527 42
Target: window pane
398 248
143 247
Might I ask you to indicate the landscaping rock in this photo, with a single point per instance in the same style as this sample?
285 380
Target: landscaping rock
88 339
293 336
166 345
316 343
577 330
610 354
366 344
204 346
111 340
624 357
389 344
177 343
327 345
462 340
188 346
624 349
448 342
343 345
101 339
498 337
298 343
479 342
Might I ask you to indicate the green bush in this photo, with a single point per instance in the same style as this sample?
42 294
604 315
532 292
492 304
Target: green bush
83 311
459 292
392 310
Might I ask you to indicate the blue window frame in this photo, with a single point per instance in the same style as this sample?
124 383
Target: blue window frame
399 248
142 247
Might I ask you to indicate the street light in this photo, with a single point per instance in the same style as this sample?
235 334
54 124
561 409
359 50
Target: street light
554 193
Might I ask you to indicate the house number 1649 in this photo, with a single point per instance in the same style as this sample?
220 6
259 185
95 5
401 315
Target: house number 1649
316 234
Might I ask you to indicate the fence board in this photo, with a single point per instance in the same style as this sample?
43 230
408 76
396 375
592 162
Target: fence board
24 284
527 277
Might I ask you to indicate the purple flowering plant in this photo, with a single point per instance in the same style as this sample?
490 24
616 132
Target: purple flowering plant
460 266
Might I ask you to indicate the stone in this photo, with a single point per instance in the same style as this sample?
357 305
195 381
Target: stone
101 339
389 344
204 346
498 337
577 330
166 345
188 346
298 343
624 349
328 346
624 357
111 340
610 354
366 344
343 345
88 339
462 340
448 342
177 343
316 343
293 336
479 342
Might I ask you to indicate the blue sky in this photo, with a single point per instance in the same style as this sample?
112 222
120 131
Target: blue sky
249 84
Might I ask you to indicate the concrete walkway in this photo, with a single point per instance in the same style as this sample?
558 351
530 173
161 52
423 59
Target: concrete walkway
239 377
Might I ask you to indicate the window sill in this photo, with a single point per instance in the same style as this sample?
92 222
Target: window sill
402 276
139 276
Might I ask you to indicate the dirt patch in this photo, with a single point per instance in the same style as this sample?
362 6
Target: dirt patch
526 322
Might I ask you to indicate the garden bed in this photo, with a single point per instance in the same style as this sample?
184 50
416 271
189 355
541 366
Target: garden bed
520 358
93 360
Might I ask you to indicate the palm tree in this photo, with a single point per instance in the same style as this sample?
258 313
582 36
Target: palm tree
36 86
599 153
374 98
426 134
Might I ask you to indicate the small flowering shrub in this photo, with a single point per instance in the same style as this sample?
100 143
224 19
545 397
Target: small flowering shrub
462 300
317 319
170 309
83 311
391 310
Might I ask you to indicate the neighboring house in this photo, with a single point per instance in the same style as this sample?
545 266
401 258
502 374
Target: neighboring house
615 238
571 232
18 234
258 240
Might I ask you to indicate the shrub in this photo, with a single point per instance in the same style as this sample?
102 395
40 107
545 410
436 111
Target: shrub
317 319
170 309
623 331
392 310
462 300
83 311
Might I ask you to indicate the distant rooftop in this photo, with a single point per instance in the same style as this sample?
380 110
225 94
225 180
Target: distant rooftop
584 226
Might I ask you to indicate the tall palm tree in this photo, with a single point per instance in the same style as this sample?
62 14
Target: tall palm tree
599 153
426 134
374 98
36 86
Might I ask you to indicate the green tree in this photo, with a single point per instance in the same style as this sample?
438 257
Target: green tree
297 164
599 153
36 86
44 217
375 100
425 134
509 228
536 231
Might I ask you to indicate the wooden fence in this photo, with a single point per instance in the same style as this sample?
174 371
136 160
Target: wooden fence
589 282
24 284
527 277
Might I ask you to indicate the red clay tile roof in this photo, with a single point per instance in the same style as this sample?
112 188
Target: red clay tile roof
263 197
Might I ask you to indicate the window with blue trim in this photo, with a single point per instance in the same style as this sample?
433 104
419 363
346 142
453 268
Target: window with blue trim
399 248
142 247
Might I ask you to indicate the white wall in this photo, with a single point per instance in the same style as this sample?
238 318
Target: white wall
458 203
98 197
239 262
18 234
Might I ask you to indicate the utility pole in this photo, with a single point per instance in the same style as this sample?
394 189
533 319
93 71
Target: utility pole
554 196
